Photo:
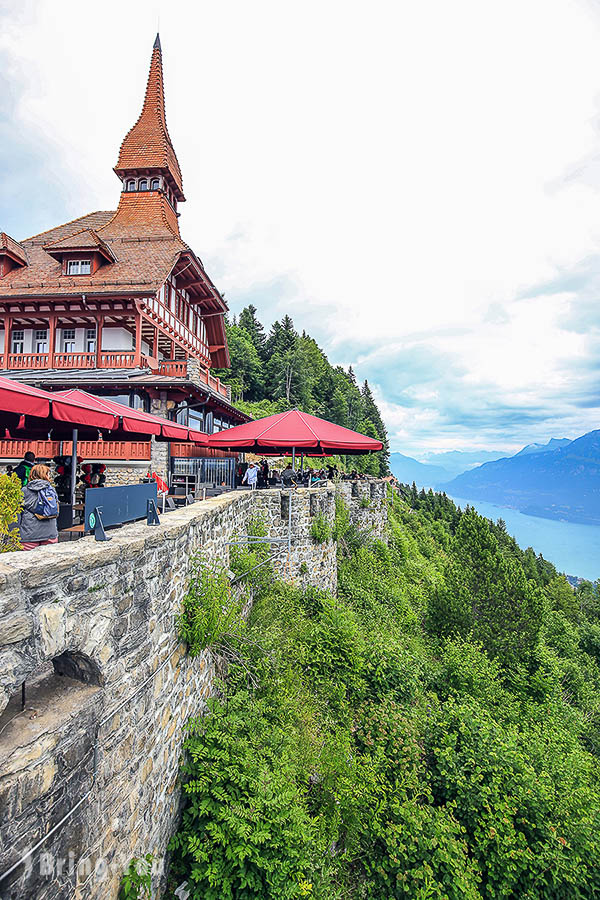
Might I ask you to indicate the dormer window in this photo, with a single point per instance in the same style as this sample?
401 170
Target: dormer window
143 185
155 184
79 267
130 186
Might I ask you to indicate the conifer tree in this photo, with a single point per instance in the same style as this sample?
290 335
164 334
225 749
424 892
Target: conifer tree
254 328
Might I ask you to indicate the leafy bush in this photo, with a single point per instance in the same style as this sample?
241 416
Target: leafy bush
245 832
11 504
210 614
252 563
320 531
136 883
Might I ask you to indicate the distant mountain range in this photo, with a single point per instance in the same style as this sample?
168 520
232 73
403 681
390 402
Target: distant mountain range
457 461
439 467
406 469
557 480
553 444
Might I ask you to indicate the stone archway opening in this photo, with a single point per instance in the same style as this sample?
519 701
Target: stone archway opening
79 667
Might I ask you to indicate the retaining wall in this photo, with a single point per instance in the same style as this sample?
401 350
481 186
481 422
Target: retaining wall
90 627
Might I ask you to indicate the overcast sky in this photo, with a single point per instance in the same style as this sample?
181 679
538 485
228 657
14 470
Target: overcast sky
416 183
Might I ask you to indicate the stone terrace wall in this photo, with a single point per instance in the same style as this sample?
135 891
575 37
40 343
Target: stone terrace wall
368 505
91 627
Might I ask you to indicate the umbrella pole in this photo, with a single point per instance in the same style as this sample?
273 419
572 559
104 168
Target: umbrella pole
302 465
73 469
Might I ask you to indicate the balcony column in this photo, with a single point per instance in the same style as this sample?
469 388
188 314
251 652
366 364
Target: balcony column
155 344
51 341
7 339
99 327
137 361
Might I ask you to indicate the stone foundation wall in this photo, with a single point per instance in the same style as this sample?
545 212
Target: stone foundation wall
125 471
91 628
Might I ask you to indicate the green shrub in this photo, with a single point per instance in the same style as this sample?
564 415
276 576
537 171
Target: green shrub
245 832
252 563
320 531
11 504
136 883
210 614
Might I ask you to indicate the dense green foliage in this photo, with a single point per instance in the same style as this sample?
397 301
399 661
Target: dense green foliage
432 732
210 613
11 504
284 369
136 883
319 529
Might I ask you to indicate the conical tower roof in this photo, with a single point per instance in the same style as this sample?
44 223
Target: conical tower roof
147 146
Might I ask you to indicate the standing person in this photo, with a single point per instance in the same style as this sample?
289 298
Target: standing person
24 468
251 476
288 476
265 472
38 521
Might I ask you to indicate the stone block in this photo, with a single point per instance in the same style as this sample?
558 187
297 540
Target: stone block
15 628
52 621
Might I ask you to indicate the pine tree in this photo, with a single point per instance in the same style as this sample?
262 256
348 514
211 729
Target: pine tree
254 328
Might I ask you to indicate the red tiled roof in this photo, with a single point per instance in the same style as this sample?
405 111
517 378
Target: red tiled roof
148 145
81 240
148 212
13 247
144 246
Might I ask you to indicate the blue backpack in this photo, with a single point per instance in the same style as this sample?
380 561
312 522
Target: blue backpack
47 504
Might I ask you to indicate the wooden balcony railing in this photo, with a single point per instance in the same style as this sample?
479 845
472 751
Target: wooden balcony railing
117 359
113 359
75 360
171 367
194 451
28 360
89 450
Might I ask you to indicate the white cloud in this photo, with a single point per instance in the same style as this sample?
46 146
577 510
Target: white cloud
401 173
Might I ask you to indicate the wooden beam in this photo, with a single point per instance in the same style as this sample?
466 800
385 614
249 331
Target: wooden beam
138 340
99 327
7 339
51 341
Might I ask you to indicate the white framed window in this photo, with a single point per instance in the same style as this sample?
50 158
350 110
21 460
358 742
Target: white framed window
90 340
79 267
18 341
41 340
155 184
130 185
143 185
68 337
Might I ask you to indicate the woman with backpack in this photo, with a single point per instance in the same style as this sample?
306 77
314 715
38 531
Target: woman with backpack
38 522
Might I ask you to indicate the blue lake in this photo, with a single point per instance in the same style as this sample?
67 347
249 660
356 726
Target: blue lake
574 549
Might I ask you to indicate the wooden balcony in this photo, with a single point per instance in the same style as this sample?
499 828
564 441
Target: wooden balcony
89 450
177 367
114 359
28 360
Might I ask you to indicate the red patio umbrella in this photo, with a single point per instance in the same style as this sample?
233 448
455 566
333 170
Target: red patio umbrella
293 431
20 399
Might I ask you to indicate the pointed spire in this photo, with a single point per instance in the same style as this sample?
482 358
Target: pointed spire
147 146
